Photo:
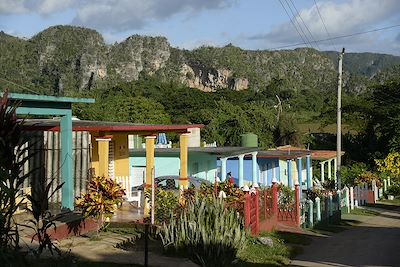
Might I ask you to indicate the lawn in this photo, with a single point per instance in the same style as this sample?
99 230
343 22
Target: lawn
364 212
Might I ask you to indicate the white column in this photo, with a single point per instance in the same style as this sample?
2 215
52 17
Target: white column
223 169
346 192
384 185
254 169
322 171
352 198
335 170
329 169
241 171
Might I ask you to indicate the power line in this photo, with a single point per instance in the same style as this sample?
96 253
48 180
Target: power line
308 29
338 37
294 24
323 23
18 85
298 23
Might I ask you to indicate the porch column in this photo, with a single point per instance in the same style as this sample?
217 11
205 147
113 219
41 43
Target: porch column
149 158
254 169
183 153
241 170
329 169
103 148
308 171
67 190
335 170
289 172
300 174
223 169
322 171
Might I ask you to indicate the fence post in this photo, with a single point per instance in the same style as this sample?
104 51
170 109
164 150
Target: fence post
310 213
318 208
352 198
274 208
247 217
330 205
346 193
375 189
356 196
297 202
384 185
257 231
388 181
365 193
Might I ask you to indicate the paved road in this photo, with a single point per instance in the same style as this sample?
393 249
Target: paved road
374 242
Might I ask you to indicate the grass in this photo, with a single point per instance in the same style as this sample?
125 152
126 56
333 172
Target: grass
257 254
364 212
394 202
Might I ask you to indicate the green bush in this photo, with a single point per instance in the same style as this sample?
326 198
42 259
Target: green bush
394 189
206 232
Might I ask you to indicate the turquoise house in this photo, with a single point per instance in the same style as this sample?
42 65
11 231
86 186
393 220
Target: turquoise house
285 167
202 162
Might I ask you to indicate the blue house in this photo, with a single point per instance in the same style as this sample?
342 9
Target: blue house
263 167
202 161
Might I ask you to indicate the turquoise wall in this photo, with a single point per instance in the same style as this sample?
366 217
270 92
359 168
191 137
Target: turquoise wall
200 165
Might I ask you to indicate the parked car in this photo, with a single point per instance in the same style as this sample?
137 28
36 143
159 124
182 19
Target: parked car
171 182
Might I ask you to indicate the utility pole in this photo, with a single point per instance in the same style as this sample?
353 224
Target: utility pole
339 123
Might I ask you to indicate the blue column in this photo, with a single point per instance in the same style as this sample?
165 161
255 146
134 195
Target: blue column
300 174
308 171
67 191
269 174
240 171
289 172
254 169
277 171
223 169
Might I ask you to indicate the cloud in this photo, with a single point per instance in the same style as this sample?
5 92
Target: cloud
340 19
122 15
113 15
42 7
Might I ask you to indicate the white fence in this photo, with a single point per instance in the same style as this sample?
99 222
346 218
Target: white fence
132 195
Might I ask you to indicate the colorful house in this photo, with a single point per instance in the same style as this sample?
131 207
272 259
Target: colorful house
263 167
202 161
108 152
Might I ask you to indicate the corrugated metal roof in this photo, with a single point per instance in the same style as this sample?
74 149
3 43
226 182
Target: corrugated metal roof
106 126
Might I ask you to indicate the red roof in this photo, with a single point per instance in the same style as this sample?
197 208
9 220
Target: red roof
102 126
315 154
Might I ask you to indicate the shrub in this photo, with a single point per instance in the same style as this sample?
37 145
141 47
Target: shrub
104 194
285 197
206 231
12 159
394 189
165 203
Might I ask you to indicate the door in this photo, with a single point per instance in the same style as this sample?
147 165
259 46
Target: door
138 175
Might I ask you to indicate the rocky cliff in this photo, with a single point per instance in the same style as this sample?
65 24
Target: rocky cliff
66 59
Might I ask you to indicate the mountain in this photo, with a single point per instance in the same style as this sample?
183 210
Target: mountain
63 60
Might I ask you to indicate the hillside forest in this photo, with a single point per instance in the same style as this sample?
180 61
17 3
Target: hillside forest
285 97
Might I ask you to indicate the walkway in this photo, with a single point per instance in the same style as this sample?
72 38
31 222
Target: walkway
373 242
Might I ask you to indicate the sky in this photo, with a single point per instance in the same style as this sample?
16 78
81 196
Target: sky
249 24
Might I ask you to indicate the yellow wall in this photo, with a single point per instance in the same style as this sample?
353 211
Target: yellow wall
95 156
121 155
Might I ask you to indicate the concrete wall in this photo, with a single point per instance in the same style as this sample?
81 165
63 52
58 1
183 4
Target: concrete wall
200 165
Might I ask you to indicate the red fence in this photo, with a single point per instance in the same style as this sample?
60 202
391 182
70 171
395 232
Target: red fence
268 209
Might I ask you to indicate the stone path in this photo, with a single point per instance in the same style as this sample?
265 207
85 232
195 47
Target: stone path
373 242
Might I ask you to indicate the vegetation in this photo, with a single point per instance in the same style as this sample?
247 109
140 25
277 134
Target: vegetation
104 194
12 159
206 232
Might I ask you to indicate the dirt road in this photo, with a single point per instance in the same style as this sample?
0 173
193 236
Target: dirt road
373 242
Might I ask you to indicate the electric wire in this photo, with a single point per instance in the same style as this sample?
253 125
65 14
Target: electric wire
338 37
18 85
323 23
294 25
305 25
298 23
